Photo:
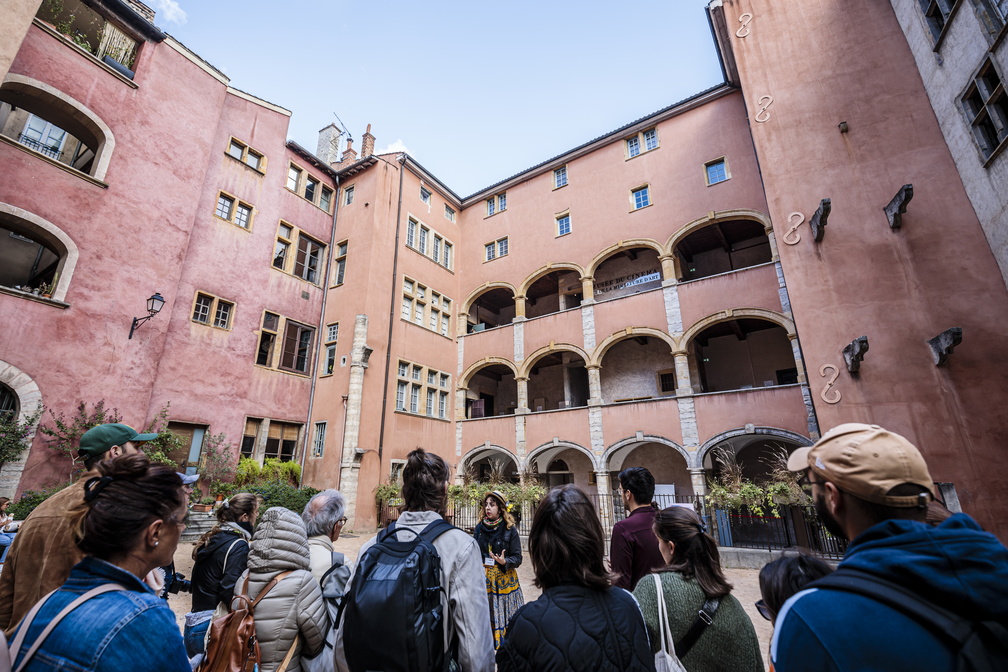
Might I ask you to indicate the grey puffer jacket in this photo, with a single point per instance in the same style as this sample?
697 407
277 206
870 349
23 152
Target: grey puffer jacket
294 605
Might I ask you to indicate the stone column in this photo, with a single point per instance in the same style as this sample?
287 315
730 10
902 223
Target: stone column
669 270
523 403
699 479
566 358
519 307
351 452
799 363
604 489
587 289
683 385
594 385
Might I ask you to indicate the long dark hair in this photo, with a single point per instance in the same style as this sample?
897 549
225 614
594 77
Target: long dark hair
785 576
126 494
424 479
695 552
233 508
566 542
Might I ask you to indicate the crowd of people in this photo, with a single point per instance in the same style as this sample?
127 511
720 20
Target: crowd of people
85 577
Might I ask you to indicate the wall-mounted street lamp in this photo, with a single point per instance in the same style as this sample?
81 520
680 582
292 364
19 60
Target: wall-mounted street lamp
154 305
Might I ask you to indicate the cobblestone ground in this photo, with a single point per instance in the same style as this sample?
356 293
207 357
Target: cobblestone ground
746 584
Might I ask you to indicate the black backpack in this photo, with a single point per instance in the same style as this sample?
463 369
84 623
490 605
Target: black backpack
980 646
393 618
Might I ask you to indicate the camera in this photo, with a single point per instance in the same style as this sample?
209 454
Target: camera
178 583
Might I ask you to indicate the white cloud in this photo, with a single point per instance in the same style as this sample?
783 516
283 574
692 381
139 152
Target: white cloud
394 148
170 11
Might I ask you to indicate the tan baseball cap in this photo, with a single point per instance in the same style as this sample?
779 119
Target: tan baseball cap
866 461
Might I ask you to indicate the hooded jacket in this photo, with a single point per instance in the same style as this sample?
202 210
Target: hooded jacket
213 579
294 605
956 565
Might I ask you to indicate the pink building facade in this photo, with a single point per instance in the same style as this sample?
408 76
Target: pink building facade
675 286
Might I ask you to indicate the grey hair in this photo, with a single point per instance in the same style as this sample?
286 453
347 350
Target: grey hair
323 511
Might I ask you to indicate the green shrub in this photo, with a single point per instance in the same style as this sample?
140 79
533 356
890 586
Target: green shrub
31 499
248 471
281 493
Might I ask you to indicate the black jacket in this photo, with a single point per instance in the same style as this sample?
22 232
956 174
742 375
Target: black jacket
579 629
211 581
502 540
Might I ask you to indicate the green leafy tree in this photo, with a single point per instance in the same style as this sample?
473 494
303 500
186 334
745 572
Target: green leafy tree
65 433
16 435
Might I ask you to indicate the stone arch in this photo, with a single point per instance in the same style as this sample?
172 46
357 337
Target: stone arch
530 360
722 216
29 398
466 377
734 314
483 289
559 445
45 231
481 451
598 354
545 270
68 113
753 433
623 245
646 438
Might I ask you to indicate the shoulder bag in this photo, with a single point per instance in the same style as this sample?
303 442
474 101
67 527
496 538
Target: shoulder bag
666 659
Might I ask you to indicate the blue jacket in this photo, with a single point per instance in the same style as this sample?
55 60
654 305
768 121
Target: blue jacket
130 629
956 565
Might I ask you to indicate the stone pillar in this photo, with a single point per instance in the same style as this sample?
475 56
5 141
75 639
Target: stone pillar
351 451
594 385
523 403
699 479
566 358
519 307
668 267
683 386
604 489
587 289
799 363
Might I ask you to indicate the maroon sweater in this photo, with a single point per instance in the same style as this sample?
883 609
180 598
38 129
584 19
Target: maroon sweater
634 552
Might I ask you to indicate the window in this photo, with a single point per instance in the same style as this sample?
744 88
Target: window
411 228
640 197
667 381
496 204
936 14
439 250
425 195
497 248
491 251
293 178
297 342
449 214
563 225
341 254
267 339
502 247
309 259
560 177
348 195
413 396
325 198
447 262
249 438
207 307
311 189
986 106
332 331
717 171
282 248
423 239
644 141
318 444
281 440
436 249
234 211
241 152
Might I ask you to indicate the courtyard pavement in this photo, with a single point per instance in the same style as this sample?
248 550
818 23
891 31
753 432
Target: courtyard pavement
746 582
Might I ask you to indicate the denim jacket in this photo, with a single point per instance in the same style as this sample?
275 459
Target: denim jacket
130 629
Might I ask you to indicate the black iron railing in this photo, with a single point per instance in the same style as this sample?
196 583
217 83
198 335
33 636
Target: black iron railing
52 152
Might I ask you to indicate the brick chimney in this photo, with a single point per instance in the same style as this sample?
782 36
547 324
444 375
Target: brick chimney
349 154
328 144
367 143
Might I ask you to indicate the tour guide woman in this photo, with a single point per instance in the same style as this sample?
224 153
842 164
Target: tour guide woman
128 523
497 537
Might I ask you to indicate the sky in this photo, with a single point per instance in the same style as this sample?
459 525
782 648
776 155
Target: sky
474 91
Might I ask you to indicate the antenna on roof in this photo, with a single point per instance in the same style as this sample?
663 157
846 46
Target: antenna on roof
343 127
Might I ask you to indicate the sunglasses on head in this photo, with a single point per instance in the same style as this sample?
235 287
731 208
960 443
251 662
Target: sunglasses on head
764 611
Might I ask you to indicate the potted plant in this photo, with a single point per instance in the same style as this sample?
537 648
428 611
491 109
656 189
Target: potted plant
205 505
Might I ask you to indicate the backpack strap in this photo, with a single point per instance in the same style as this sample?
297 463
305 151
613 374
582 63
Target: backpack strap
943 623
274 581
435 529
704 618
26 623
224 566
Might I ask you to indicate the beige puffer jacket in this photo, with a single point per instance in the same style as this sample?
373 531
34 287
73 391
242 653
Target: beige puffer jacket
293 606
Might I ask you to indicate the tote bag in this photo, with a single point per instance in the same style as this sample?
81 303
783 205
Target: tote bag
665 660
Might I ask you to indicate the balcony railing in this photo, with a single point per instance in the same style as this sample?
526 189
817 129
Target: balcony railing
51 152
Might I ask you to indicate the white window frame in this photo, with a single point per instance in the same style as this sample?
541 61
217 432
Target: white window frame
713 164
318 442
560 177
645 202
563 224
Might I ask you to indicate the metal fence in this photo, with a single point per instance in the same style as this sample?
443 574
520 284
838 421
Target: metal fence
792 527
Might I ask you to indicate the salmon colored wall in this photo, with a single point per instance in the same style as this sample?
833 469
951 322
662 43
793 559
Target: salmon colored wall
778 407
640 310
659 417
898 287
754 287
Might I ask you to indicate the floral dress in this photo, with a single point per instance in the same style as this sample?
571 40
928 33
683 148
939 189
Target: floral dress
503 591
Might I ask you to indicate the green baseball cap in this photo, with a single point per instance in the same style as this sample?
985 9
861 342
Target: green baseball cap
100 439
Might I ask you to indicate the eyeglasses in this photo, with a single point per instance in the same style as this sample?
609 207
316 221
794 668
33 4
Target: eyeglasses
764 611
342 521
806 482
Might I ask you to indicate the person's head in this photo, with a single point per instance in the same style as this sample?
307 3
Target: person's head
860 475
188 482
785 576
689 550
636 487
279 529
4 503
323 514
109 441
425 482
495 507
132 508
241 508
566 543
